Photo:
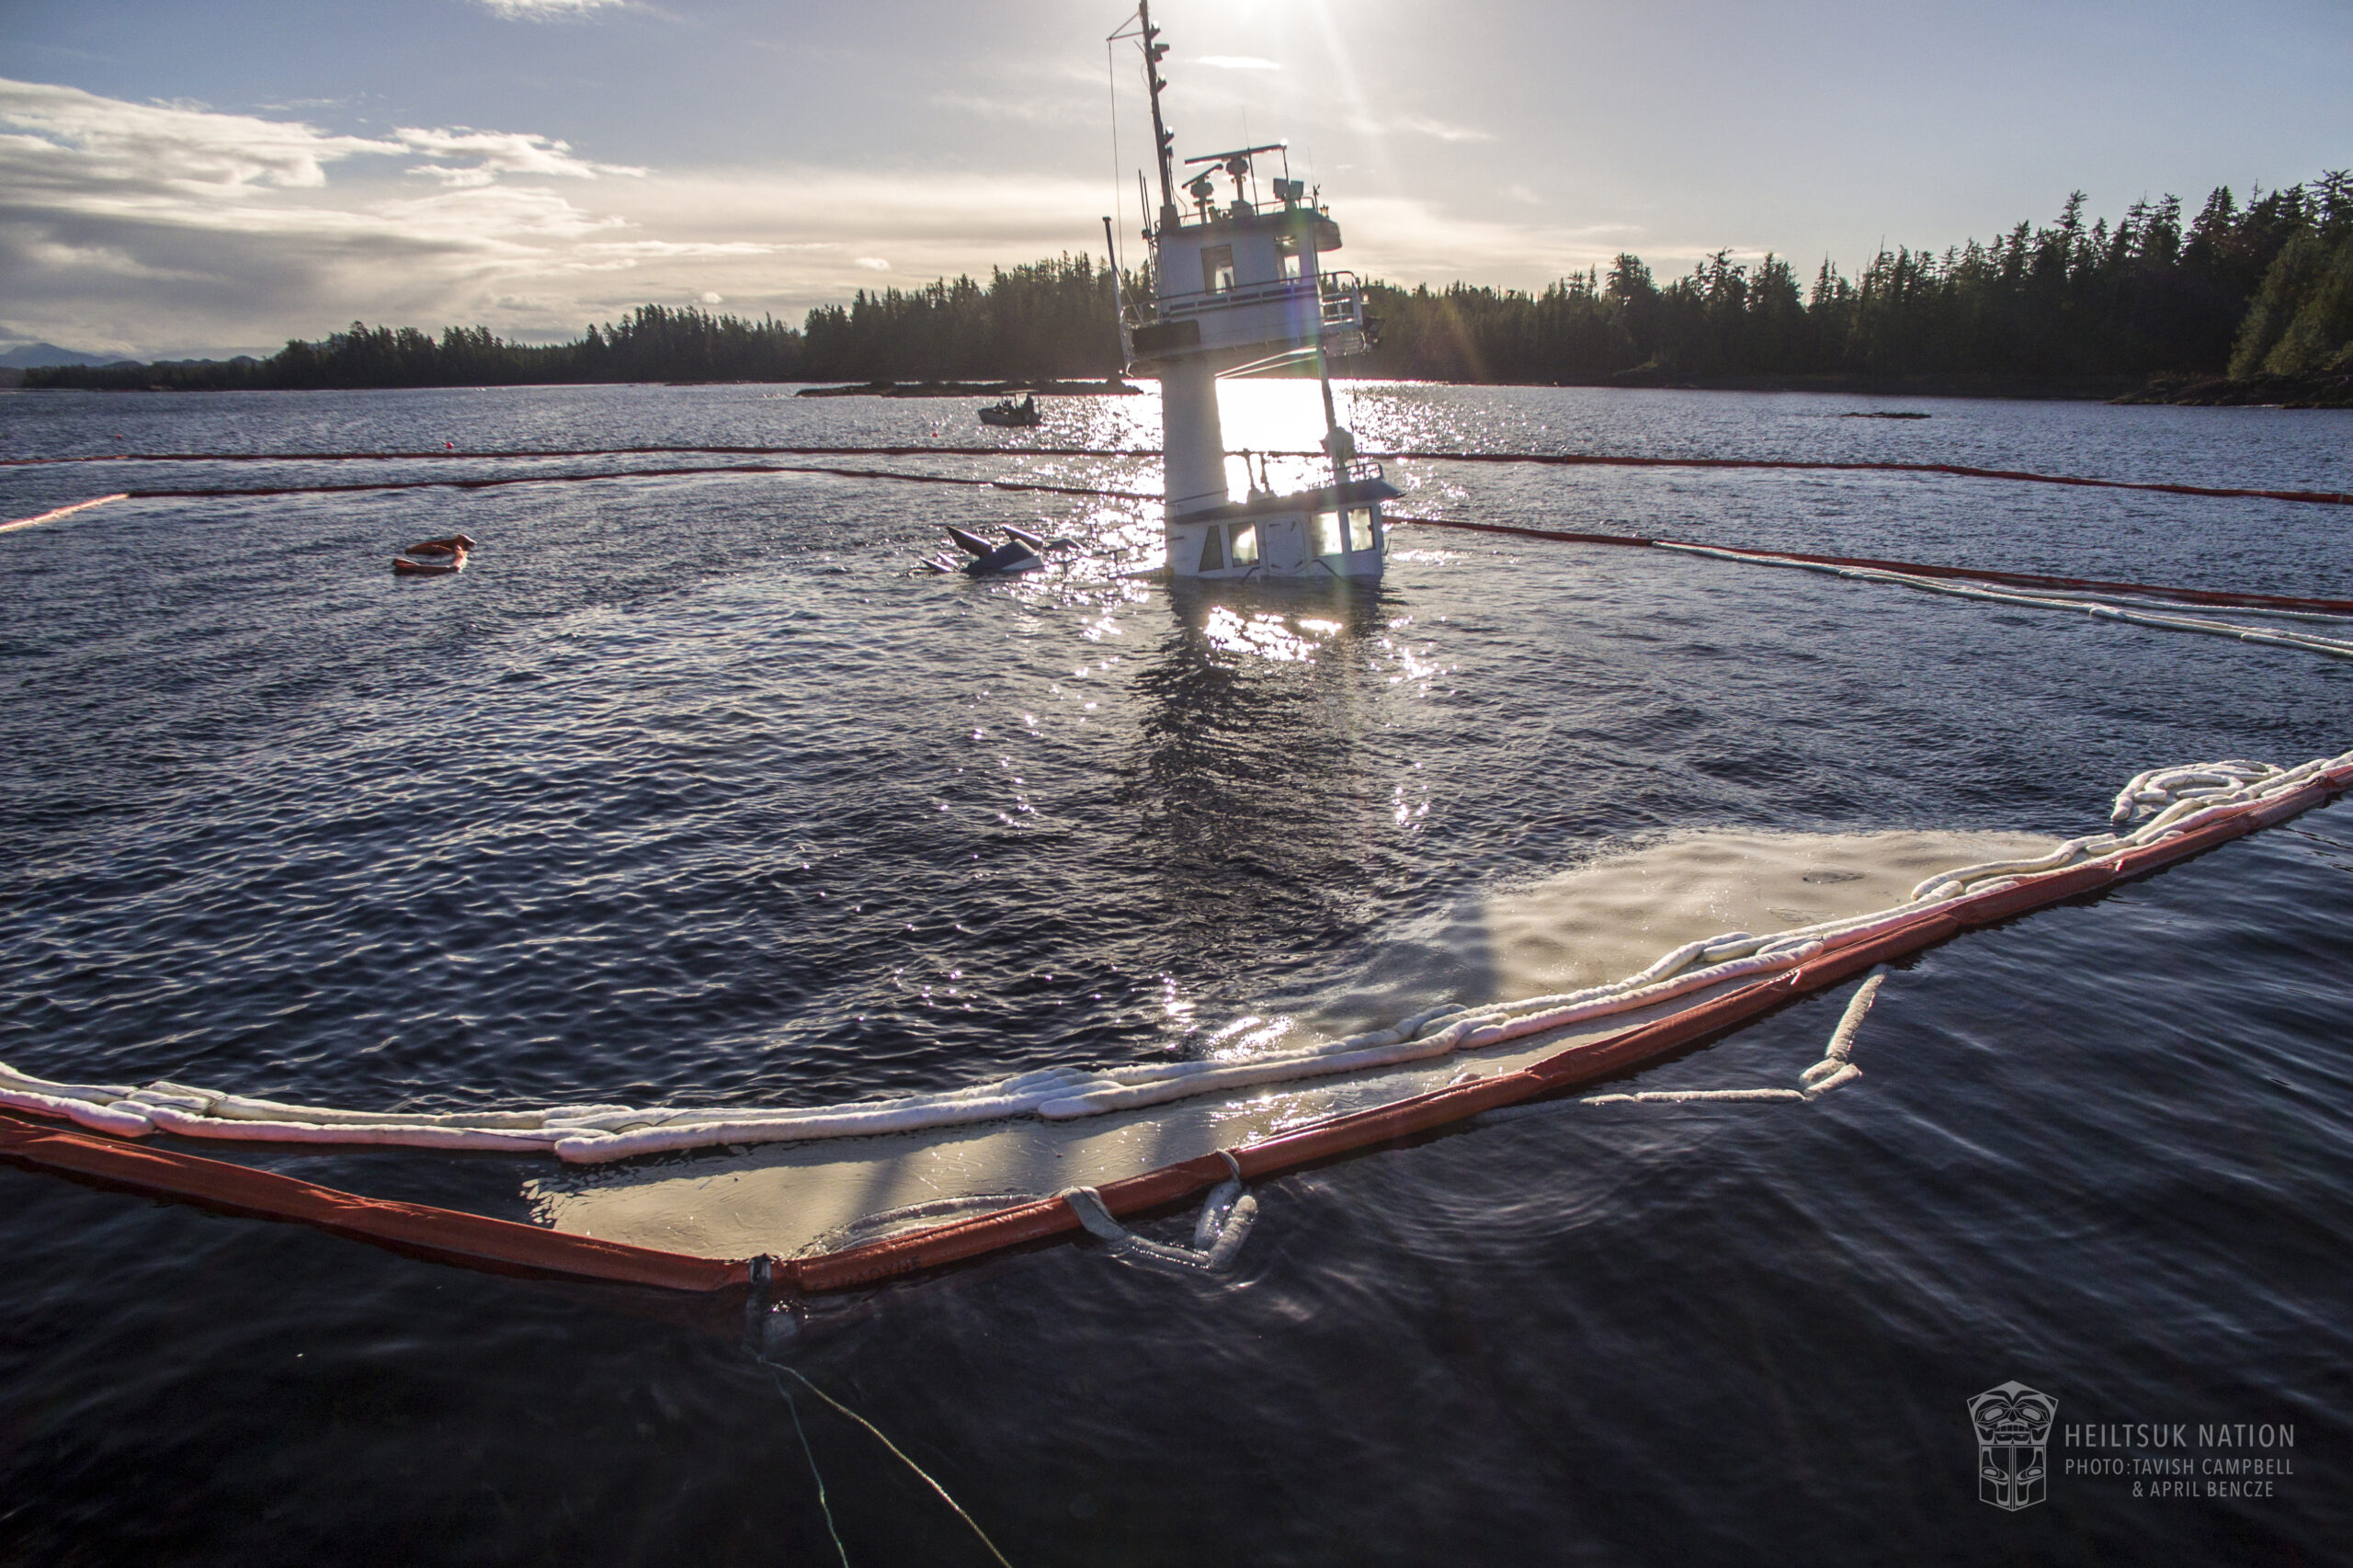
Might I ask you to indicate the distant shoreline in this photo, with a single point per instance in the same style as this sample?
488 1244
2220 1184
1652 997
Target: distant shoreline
2319 391
2322 390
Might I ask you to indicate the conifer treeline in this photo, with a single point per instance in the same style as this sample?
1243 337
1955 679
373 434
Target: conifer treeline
1052 319
2069 299
2266 285
1048 319
650 344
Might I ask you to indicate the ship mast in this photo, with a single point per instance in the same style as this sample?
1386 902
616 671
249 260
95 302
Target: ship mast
1164 140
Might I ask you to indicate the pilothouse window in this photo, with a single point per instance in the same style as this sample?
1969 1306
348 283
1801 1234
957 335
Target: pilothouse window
1245 544
1327 533
1360 529
1213 549
1217 269
1287 258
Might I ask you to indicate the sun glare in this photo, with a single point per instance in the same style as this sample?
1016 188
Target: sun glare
1273 414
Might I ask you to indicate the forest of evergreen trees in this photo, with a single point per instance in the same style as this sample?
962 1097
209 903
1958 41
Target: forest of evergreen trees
2263 287
2258 288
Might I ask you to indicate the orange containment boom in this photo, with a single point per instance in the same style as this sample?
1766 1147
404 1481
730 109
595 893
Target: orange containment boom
447 1235
503 1246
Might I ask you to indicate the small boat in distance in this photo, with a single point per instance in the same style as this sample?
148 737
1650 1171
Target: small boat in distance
1009 413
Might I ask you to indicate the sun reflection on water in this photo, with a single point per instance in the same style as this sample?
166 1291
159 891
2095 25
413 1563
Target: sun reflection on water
1264 635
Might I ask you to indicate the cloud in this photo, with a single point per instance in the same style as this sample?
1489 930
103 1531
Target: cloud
1424 125
873 263
160 226
495 152
1233 63
548 10
665 249
51 129
710 297
51 133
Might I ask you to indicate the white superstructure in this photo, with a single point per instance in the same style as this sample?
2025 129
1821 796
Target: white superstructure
1239 286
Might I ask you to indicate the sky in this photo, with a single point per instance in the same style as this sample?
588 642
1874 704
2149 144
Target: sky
213 178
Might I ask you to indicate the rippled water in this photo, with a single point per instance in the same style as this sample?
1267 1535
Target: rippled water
686 790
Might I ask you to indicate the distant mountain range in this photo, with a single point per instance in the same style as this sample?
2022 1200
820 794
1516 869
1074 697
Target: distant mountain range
24 355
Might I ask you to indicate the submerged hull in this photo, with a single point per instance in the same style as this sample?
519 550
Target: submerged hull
1333 532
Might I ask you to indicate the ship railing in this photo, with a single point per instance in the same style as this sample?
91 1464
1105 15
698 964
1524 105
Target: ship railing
1288 289
1355 470
1342 299
1338 297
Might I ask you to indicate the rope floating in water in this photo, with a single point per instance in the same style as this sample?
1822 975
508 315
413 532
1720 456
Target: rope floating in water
263 490
2282 602
2335 646
453 455
2041 580
897 1452
499 482
1948 471
1554 459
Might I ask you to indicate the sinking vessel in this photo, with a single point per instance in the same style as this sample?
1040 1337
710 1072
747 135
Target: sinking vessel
1022 552
1238 287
